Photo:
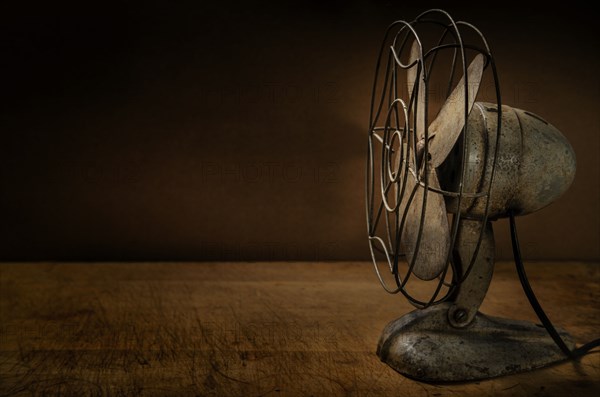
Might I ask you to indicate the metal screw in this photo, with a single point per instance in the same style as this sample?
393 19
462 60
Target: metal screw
460 315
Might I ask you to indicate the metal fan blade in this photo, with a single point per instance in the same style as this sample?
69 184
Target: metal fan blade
435 237
450 121
411 78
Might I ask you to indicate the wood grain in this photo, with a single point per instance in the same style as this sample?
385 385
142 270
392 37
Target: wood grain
251 329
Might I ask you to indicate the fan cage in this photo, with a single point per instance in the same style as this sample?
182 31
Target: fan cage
392 121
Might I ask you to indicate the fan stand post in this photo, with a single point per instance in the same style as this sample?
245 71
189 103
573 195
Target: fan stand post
472 290
452 341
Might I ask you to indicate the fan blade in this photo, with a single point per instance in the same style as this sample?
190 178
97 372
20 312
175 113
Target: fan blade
411 79
449 122
435 237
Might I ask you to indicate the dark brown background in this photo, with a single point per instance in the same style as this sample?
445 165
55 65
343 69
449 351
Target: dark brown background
152 132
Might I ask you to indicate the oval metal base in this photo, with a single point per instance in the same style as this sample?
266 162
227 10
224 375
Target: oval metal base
424 346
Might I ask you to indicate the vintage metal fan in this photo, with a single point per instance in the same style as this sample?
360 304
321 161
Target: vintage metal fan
435 181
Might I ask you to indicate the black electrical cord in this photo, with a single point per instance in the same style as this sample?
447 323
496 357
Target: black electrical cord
575 353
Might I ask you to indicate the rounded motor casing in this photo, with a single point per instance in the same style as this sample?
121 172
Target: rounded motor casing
535 164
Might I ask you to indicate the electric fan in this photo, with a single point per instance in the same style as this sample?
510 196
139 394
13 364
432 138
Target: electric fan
433 188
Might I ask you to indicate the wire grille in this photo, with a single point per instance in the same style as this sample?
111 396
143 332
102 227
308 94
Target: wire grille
394 154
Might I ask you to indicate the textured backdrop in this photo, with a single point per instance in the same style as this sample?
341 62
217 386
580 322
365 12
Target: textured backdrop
239 132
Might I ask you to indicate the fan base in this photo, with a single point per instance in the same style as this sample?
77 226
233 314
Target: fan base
424 346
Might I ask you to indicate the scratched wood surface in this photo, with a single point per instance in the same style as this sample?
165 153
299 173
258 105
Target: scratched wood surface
250 329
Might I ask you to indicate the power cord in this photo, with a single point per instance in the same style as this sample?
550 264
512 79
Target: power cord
575 353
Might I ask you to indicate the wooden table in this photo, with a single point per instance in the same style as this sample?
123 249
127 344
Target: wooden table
251 329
